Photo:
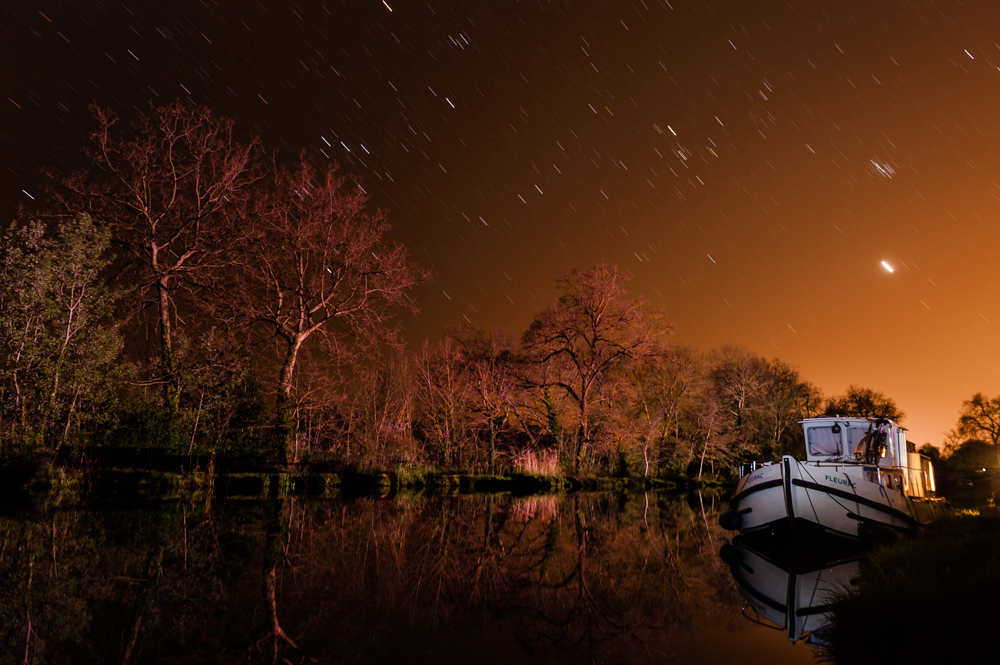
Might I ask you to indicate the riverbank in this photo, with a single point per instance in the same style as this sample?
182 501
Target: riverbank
145 475
927 599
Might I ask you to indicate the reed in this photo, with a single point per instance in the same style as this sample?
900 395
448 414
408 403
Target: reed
538 463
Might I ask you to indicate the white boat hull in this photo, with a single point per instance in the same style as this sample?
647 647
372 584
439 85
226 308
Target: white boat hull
844 499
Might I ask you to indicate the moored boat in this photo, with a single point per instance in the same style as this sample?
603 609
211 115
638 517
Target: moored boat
860 478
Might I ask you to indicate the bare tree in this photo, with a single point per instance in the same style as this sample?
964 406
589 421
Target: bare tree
315 262
164 186
714 428
443 396
785 399
587 333
491 365
739 377
379 410
664 383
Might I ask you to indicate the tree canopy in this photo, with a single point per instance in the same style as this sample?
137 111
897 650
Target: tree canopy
980 419
864 402
57 338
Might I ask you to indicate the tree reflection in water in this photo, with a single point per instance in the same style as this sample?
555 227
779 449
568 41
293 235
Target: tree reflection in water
571 579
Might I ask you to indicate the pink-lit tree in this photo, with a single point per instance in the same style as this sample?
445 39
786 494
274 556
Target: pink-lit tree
166 186
587 334
491 366
314 263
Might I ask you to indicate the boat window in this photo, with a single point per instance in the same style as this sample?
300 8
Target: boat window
857 440
823 441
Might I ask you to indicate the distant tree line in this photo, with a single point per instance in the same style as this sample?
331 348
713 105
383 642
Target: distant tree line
194 293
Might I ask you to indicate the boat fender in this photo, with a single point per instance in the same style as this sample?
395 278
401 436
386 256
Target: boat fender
731 520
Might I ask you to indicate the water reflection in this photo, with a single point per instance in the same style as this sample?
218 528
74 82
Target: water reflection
571 579
792 585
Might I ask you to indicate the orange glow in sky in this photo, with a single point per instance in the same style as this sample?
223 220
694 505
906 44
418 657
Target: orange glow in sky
759 169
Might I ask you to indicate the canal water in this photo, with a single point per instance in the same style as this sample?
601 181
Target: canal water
583 578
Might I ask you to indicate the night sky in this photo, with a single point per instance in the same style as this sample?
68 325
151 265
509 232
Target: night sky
751 164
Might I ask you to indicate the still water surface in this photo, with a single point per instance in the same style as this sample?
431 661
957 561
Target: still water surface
554 579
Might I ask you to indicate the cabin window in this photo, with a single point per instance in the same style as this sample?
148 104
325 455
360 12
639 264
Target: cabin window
857 440
823 441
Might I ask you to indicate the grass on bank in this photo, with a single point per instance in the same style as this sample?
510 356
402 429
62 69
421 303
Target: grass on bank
933 598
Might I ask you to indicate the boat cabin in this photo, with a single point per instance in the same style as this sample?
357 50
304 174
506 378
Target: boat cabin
878 444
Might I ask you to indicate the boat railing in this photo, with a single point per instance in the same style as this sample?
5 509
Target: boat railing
747 468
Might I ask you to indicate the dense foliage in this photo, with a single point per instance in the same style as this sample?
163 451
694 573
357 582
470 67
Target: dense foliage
57 346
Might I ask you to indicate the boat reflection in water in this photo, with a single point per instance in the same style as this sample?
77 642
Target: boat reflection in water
792 585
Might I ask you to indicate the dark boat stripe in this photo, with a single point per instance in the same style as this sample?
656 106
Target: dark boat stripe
756 593
851 496
792 583
817 609
756 488
786 476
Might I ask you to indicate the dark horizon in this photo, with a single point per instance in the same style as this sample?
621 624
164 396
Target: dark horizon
751 167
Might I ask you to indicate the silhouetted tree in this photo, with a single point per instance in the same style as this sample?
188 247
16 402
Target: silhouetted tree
980 419
863 402
973 455
931 451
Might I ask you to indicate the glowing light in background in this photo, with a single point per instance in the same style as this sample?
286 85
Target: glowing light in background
885 264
